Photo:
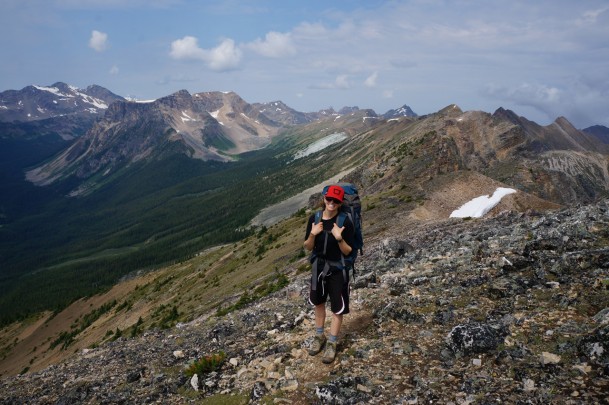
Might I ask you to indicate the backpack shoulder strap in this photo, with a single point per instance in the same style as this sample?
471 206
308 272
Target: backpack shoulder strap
317 217
340 221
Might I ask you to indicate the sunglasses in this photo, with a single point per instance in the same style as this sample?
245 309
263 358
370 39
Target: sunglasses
334 200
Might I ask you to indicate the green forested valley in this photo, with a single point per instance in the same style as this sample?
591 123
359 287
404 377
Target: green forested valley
157 212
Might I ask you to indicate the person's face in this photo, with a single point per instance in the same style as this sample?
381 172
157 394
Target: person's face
332 203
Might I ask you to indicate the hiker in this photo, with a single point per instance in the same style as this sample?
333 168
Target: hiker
329 245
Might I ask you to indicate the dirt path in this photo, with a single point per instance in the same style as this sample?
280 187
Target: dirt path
273 214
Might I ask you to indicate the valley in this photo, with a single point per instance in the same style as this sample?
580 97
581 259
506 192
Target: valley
120 246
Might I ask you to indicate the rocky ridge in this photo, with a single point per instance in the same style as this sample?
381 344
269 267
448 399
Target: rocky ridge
511 309
206 126
403 111
34 103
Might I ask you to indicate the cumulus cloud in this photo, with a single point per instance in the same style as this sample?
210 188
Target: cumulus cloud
98 41
114 70
541 97
371 80
580 99
274 45
592 16
310 31
186 48
341 82
225 56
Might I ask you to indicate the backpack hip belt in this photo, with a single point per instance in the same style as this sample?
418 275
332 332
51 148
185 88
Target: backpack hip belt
327 264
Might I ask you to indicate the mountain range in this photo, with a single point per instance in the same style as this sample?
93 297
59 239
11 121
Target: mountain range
90 198
33 103
170 231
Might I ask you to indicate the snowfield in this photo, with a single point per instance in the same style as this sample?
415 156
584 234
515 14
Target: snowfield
321 144
479 206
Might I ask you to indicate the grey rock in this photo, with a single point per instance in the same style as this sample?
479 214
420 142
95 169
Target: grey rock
393 248
473 338
259 390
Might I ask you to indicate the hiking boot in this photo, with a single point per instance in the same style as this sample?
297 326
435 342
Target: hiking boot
330 353
317 344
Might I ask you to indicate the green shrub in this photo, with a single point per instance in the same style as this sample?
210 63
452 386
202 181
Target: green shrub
303 268
206 364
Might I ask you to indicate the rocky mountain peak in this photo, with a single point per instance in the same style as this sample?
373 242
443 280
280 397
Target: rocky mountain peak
565 126
451 110
207 126
281 113
60 99
178 100
576 139
348 110
64 87
507 114
403 111
601 132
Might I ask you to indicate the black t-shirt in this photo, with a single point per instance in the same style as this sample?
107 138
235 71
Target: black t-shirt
333 252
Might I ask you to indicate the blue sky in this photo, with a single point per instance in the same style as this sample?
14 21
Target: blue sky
542 59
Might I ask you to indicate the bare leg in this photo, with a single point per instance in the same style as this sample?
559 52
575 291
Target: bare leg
337 321
320 315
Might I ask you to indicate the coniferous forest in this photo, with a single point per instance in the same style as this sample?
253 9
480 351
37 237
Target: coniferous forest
58 249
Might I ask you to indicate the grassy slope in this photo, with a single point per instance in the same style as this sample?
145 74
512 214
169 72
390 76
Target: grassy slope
215 279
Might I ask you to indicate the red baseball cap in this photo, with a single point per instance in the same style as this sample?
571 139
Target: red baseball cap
335 192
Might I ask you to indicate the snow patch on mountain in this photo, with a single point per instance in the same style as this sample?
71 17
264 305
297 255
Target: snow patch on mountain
185 117
85 97
479 206
94 101
53 90
321 144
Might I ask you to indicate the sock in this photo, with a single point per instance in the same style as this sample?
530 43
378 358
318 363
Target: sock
319 331
332 338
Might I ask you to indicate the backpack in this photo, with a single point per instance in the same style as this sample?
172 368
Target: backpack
351 208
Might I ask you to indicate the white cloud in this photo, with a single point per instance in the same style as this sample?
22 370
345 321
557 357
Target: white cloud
275 45
541 97
309 31
225 56
591 16
428 54
186 48
371 80
98 41
341 82
114 70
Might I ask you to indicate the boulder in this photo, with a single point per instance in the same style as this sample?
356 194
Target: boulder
473 338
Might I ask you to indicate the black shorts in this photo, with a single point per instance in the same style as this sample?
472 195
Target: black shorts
336 286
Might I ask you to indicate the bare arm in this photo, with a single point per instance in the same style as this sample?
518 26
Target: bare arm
309 244
342 243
